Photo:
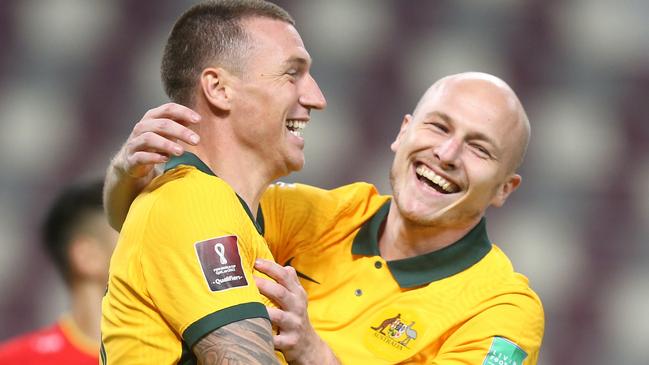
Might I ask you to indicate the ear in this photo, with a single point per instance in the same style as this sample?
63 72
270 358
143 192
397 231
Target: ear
512 183
216 87
404 125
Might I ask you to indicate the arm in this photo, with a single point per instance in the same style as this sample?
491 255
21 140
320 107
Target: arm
152 140
296 336
245 342
219 316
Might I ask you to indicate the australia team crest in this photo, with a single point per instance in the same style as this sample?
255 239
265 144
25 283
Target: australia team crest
393 334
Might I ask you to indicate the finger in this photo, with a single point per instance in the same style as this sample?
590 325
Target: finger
151 142
141 163
284 341
284 275
167 128
177 112
281 319
286 336
147 158
276 293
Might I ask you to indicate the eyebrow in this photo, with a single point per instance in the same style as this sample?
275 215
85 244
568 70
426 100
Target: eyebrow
472 135
297 60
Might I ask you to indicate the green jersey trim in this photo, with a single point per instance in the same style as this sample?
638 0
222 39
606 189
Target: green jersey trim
210 322
424 269
190 159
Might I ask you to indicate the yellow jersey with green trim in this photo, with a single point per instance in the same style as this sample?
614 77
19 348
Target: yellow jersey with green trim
463 304
182 268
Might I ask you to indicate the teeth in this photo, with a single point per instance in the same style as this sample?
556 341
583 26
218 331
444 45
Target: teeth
446 185
296 124
296 133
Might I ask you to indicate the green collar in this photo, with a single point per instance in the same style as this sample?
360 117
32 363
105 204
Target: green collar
426 268
191 159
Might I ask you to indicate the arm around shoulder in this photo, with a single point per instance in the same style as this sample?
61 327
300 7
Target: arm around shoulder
153 139
121 188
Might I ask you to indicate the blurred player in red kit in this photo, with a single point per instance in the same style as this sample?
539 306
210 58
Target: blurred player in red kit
79 240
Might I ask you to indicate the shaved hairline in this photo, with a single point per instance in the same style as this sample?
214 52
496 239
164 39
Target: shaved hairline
522 119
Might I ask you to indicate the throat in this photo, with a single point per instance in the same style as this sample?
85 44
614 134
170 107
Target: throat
402 238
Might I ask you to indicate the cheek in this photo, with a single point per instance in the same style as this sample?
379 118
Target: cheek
484 186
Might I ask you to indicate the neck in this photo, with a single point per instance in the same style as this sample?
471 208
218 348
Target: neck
86 308
238 165
402 238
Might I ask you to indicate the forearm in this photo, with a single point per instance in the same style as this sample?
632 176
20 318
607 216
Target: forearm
247 342
120 189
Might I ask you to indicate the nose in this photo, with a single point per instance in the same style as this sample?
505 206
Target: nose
448 153
312 97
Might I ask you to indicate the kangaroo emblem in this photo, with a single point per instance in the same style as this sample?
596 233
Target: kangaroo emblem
411 334
386 323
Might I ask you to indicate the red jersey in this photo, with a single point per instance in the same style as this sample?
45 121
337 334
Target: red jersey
61 343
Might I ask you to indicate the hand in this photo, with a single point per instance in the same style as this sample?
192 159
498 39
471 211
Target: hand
154 138
296 337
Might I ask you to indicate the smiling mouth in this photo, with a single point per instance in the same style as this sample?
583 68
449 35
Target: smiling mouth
295 126
437 182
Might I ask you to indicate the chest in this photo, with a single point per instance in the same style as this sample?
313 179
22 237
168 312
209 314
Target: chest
357 306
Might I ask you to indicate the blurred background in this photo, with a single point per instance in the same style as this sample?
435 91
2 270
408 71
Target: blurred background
75 75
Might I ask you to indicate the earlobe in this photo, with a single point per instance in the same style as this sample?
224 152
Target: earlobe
215 88
506 189
404 125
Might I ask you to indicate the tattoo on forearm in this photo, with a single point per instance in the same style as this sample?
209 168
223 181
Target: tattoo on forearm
245 342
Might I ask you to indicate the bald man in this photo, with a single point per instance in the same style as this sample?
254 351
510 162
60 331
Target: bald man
411 278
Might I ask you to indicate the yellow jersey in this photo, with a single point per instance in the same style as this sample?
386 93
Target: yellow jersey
183 267
463 304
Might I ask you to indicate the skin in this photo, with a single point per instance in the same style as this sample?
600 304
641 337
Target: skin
243 133
276 87
470 129
244 140
296 337
244 342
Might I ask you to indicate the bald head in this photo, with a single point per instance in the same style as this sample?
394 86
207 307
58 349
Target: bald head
503 105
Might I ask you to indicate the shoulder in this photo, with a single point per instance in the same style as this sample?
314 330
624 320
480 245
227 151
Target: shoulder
186 182
188 191
340 198
289 189
512 300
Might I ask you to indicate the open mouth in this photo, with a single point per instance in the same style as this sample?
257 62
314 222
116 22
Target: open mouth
430 178
295 127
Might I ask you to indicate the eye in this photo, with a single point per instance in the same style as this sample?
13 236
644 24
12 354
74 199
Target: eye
480 150
292 72
439 126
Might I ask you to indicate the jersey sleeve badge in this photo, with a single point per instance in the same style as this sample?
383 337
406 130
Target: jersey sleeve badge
504 352
221 263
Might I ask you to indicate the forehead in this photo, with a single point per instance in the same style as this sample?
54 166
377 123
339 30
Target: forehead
475 104
275 40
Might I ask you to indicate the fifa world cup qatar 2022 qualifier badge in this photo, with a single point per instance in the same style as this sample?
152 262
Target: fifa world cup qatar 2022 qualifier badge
221 263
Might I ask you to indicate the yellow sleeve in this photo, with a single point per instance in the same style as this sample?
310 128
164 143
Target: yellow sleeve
298 217
197 259
508 333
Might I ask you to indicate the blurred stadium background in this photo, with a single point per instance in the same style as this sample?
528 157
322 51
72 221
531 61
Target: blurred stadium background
75 75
